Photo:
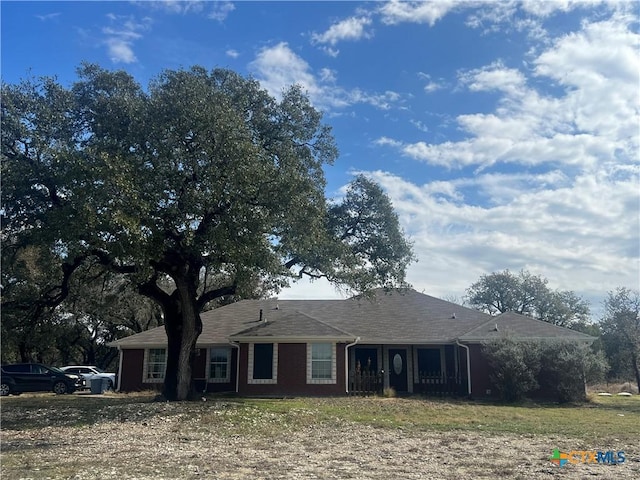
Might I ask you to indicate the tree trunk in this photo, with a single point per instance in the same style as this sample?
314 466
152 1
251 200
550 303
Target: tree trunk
636 369
183 326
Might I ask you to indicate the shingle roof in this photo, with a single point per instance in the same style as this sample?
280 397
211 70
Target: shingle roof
291 324
521 326
397 316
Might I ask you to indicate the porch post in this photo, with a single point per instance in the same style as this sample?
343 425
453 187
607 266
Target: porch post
468 366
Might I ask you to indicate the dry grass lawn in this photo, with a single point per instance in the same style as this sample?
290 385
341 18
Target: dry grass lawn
131 437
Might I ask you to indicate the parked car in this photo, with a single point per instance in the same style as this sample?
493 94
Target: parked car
90 373
35 377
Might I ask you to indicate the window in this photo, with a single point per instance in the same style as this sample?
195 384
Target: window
263 363
321 363
155 364
430 361
20 368
219 364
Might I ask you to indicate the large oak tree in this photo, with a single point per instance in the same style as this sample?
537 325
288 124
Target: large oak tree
198 187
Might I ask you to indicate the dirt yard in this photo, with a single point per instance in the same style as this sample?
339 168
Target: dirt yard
215 441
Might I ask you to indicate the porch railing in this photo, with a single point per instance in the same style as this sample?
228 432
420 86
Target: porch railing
366 383
440 384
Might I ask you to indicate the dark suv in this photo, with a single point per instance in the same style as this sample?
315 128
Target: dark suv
35 377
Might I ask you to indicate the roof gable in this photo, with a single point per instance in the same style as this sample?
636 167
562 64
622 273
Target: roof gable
291 324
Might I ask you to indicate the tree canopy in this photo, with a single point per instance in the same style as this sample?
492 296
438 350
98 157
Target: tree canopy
530 295
201 186
621 332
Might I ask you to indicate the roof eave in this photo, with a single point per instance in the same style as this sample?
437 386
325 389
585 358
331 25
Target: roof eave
288 339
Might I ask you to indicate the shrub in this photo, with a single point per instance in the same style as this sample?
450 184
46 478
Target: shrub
515 366
559 368
567 367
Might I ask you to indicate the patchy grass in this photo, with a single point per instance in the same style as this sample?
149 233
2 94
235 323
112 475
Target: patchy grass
600 417
131 436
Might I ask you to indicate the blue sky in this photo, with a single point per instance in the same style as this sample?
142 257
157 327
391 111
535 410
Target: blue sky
506 133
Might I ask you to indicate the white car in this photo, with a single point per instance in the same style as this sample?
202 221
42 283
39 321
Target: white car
90 373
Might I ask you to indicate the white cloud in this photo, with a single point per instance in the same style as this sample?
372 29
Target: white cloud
221 10
120 36
593 120
349 29
395 11
495 77
549 7
232 53
180 7
387 141
431 85
278 67
48 16
585 226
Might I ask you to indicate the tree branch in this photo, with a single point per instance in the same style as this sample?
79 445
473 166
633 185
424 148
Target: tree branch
206 297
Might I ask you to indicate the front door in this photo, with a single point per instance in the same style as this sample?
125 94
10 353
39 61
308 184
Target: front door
398 369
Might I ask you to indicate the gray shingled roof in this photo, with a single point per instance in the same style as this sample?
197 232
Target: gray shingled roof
398 316
521 327
291 324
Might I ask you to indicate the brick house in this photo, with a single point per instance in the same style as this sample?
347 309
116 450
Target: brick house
402 339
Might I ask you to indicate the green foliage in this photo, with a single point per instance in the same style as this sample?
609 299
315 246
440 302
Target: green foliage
568 367
558 369
515 366
529 295
200 189
621 333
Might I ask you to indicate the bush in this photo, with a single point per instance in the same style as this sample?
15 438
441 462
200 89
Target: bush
515 366
558 368
568 366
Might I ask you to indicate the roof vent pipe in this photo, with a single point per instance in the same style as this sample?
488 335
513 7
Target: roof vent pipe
453 316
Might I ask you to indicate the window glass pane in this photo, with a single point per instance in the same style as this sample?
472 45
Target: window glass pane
429 361
321 360
156 363
321 351
219 363
263 361
157 355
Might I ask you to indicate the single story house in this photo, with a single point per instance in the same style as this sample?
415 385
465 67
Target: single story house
401 339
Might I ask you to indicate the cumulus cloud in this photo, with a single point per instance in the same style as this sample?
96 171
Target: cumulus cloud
278 67
593 120
353 28
395 11
528 213
574 195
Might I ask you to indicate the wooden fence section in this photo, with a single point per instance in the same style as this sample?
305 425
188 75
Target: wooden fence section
440 384
366 383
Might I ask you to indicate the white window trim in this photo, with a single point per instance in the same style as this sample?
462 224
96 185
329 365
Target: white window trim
274 368
145 365
321 381
227 379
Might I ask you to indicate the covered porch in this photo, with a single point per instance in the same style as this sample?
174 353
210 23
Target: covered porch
438 369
